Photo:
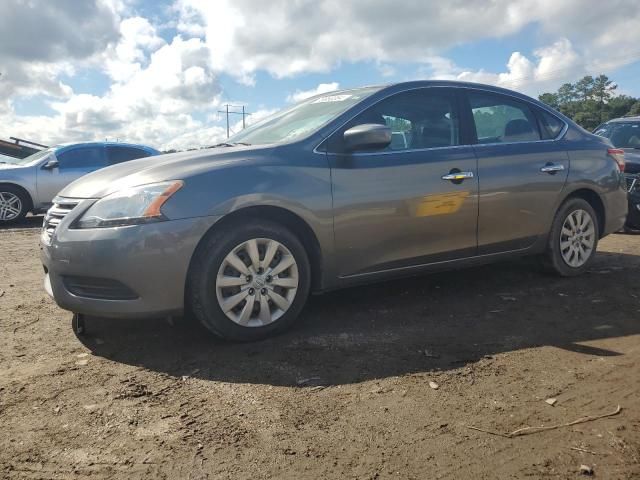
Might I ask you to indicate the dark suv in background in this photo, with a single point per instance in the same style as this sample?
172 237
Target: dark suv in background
624 133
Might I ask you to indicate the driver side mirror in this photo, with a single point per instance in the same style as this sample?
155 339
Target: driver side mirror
50 165
369 136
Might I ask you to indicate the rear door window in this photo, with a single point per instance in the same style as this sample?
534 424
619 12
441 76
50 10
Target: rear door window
124 154
82 158
501 119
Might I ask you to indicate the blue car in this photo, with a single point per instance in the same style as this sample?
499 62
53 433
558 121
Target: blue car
30 184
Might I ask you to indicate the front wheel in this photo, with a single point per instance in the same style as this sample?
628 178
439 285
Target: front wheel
13 204
573 239
249 280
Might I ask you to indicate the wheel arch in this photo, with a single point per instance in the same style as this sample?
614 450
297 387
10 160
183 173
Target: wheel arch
592 197
282 216
26 193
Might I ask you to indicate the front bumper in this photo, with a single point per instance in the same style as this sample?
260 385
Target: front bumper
151 260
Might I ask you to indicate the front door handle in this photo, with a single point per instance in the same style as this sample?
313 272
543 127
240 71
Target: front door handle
457 176
552 168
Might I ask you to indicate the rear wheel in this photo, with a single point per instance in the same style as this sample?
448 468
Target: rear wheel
574 238
14 204
249 280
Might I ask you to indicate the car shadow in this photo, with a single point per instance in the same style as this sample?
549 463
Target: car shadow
31 221
430 323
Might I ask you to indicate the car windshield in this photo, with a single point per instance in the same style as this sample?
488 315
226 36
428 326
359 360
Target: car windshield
621 134
302 119
31 158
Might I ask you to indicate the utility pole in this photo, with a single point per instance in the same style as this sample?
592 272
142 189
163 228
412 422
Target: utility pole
226 111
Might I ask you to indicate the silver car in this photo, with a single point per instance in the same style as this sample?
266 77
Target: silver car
318 197
29 184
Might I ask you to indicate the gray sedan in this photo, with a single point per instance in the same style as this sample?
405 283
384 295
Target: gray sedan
319 197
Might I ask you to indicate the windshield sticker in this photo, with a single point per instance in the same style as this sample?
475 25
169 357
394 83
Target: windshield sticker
332 98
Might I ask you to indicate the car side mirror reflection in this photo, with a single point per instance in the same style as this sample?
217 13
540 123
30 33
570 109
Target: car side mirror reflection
50 165
369 136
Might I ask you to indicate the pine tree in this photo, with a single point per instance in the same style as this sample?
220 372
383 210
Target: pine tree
591 101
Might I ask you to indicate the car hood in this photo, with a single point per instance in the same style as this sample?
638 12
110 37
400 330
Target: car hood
175 166
632 160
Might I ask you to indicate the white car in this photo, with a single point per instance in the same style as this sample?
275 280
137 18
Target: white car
29 184
7 159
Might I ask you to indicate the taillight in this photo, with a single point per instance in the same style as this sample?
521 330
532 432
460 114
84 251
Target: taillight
618 155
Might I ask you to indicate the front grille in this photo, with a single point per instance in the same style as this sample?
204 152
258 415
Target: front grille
633 182
60 208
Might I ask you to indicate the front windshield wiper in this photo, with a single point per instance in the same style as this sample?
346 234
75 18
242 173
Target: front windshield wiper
232 144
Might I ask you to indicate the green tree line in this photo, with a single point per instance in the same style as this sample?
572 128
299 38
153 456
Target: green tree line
591 101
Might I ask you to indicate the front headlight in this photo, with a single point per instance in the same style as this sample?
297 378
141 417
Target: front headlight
130 206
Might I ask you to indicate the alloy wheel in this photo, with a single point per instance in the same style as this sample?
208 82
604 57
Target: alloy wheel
257 282
10 206
577 238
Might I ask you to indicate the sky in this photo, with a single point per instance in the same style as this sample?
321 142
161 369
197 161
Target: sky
159 71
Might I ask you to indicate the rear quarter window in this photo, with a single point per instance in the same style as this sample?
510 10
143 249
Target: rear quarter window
550 126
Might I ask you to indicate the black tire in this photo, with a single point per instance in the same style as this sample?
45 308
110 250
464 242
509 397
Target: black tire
554 258
25 203
201 289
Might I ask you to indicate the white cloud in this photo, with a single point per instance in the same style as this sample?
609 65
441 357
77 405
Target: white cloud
156 104
201 136
137 38
300 95
41 40
549 67
207 136
157 88
287 38
163 89
386 70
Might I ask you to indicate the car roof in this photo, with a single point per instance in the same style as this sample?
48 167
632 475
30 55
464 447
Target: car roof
624 119
391 88
432 83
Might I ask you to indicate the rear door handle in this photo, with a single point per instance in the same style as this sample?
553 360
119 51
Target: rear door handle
551 168
457 176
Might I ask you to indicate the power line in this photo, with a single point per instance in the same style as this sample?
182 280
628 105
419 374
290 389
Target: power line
228 112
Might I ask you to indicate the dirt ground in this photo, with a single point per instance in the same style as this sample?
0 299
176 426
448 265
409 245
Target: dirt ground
346 394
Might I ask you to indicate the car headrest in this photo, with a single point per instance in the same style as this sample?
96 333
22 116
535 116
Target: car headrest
517 127
371 117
